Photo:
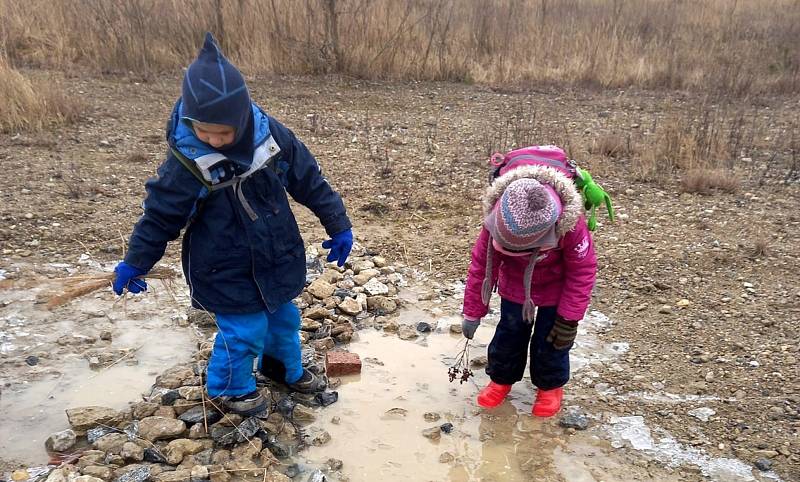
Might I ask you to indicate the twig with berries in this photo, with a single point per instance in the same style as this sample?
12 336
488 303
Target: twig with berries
460 369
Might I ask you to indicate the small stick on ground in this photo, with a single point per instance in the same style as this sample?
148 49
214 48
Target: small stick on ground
205 414
127 355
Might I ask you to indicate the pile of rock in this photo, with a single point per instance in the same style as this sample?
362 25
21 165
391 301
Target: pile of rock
337 300
177 435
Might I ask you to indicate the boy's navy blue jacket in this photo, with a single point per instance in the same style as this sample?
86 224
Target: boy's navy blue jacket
242 250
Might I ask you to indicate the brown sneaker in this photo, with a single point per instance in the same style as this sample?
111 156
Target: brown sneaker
309 383
247 405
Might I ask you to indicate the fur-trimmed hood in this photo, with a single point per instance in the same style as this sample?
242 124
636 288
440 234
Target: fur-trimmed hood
561 184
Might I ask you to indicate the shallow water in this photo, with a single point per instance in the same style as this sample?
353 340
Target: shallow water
32 410
382 416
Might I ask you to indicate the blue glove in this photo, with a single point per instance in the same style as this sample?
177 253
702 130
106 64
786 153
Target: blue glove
340 245
125 278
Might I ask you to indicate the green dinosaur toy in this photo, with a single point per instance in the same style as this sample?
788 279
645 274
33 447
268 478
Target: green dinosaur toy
593 196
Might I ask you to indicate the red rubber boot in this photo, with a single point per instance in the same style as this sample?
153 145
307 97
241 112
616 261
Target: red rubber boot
548 402
493 395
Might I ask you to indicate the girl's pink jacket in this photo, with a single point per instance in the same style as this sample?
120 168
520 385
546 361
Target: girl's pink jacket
563 276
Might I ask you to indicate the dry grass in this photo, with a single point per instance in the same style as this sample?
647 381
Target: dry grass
32 105
706 181
613 146
760 248
22 107
726 46
77 286
700 140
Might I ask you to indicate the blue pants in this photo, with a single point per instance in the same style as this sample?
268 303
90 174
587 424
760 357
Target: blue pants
244 337
512 343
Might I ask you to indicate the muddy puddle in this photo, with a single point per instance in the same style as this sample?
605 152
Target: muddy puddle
377 425
47 359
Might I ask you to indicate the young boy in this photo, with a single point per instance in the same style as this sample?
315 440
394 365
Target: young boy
225 180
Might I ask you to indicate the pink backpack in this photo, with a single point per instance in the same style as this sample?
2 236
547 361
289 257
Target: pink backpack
549 156
554 157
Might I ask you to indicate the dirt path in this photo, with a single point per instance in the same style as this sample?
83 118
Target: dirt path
702 289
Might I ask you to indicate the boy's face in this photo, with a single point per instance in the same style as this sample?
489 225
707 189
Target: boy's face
215 135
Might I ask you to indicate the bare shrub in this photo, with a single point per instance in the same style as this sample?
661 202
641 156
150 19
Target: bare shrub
612 145
760 248
706 138
706 181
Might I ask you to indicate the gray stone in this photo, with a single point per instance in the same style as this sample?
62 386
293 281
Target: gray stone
321 438
176 450
230 435
169 397
407 333
93 435
763 465
195 415
424 327
154 456
138 474
433 433
132 452
111 443
61 441
317 476
99 471
479 361
85 418
381 305
159 428
320 289
574 419
373 287
350 306
87 478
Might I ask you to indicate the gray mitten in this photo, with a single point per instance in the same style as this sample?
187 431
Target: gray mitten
468 327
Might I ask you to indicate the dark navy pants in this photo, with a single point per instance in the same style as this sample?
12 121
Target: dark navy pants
512 342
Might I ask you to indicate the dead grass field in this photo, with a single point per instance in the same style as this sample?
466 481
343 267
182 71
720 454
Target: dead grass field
726 47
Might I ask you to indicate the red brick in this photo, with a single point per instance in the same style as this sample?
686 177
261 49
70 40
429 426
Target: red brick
339 363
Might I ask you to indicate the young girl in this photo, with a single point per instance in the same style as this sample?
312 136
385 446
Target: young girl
535 247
